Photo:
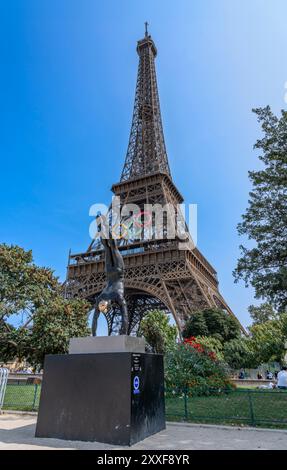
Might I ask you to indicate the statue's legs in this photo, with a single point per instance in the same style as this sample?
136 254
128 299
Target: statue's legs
125 317
95 321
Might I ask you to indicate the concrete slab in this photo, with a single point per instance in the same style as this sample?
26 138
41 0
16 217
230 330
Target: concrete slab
106 344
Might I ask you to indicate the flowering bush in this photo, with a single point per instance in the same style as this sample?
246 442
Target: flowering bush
193 367
194 344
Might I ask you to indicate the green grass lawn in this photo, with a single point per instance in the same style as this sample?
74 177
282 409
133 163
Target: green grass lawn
245 387
268 407
22 397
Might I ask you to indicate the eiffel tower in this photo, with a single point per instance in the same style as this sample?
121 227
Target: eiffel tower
159 274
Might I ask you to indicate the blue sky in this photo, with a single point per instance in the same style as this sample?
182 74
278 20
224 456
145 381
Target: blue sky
67 81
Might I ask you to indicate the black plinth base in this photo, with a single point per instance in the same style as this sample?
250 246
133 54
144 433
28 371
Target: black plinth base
116 398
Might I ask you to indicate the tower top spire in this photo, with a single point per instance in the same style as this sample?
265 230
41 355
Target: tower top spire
146 152
146 30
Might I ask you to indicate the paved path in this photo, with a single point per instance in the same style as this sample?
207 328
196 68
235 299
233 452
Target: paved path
17 432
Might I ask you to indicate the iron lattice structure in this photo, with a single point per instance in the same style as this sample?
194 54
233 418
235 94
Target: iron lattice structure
163 273
146 150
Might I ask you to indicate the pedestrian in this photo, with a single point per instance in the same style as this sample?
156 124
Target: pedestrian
282 379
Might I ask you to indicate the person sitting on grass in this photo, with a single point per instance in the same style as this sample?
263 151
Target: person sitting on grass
269 375
241 375
282 379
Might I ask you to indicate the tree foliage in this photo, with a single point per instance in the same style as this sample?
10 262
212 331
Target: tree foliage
23 285
264 265
159 334
238 353
34 292
268 339
262 313
212 322
54 325
264 344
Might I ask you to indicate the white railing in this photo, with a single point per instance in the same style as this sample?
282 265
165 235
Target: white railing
3 382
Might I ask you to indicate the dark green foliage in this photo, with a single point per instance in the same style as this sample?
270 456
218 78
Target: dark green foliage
268 339
13 342
23 285
264 265
212 322
195 325
158 333
34 292
238 353
53 327
265 344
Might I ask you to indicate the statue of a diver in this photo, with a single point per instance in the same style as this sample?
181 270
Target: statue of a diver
113 293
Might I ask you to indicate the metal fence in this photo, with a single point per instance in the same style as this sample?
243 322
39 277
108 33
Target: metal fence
3 383
22 397
248 407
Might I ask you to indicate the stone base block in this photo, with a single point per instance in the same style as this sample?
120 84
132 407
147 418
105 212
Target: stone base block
116 398
106 344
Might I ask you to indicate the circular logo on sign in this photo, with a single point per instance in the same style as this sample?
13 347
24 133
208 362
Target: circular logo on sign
136 382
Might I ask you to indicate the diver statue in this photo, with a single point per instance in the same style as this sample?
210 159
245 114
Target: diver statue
113 293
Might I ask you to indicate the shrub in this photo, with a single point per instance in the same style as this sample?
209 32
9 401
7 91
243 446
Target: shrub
191 366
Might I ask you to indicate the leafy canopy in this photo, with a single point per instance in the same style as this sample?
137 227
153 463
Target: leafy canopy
262 313
238 353
264 265
159 334
266 343
36 294
23 285
268 340
212 322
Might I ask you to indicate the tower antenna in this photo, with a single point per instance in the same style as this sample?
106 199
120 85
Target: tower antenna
146 31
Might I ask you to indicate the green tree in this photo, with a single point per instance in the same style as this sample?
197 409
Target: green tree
36 294
54 325
157 331
262 313
14 342
264 344
195 325
238 353
212 322
23 285
268 339
220 325
264 265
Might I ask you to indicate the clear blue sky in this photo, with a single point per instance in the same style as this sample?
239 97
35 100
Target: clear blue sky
67 81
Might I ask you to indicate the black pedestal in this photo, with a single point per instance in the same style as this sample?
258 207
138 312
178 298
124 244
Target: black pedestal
116 398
